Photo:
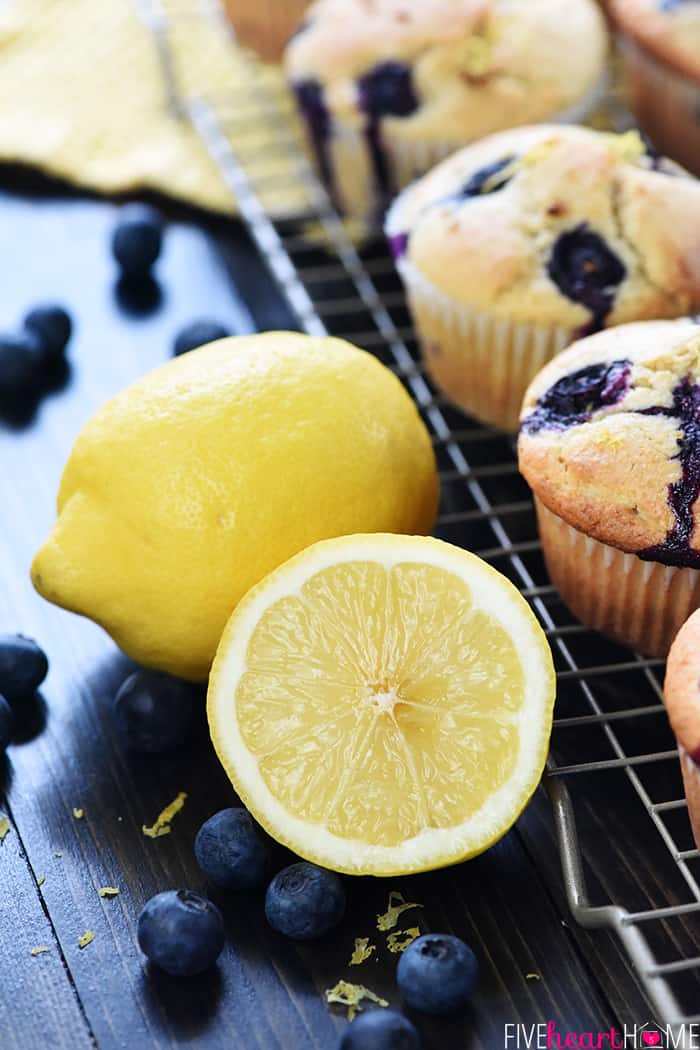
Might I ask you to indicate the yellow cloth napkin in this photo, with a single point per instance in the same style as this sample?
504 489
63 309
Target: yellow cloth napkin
82 96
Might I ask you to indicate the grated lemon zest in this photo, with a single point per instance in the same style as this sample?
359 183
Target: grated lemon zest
4 828
629 146
363 951
85 939
108 891
41 880
78 813
533 977
399 940
39 950
397 906
162 824
351 995
539 152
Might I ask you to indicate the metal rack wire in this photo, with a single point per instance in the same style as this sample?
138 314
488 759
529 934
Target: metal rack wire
610 717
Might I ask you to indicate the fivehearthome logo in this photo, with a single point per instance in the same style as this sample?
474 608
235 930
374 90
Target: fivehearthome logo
644 1036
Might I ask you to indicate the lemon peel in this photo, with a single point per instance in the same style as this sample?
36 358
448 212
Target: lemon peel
78 813
362 952
41 880
243 434
4 828
163 820
351 995
399 940
108 891
86 938
533 977
396 906
39 950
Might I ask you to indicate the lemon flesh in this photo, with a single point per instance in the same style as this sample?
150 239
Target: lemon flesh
194 483
383 704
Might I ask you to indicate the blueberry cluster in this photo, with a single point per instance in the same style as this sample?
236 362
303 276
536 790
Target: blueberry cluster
23 667
32 360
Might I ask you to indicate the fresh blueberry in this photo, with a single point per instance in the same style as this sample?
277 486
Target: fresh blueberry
137 240
7 723
304 902
20 365
437 974
231 850
388 91
586 270
23 667
199 333
152 711
53 326
381 1030
182 932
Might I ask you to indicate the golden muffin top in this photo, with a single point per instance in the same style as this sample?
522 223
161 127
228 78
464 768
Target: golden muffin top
555 225
448 70
610 439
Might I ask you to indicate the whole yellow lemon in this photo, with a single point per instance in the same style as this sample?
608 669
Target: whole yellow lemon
198 480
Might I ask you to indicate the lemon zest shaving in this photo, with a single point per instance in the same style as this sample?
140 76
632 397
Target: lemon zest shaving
108 891
539 152
397 905
629 146
41 880
78 813
162 824
351 995
4 828
39 950
399 940
533 977
85 939
478 50
363 951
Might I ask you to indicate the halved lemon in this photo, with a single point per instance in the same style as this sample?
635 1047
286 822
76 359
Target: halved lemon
383 704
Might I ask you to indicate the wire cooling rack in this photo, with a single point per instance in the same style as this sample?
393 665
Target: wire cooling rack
613 756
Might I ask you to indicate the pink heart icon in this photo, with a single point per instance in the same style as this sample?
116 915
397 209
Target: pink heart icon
651 1038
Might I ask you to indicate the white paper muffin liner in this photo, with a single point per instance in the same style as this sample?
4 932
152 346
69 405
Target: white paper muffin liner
484 364
642 604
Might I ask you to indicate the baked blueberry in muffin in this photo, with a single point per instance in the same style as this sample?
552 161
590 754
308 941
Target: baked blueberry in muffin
529 239
610 445
406 82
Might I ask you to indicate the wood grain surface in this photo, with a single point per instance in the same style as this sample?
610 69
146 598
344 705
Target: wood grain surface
266 993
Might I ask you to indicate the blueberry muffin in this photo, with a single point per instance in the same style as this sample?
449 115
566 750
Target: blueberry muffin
266 25
661 43
389 87
610 445
531 238
682 696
